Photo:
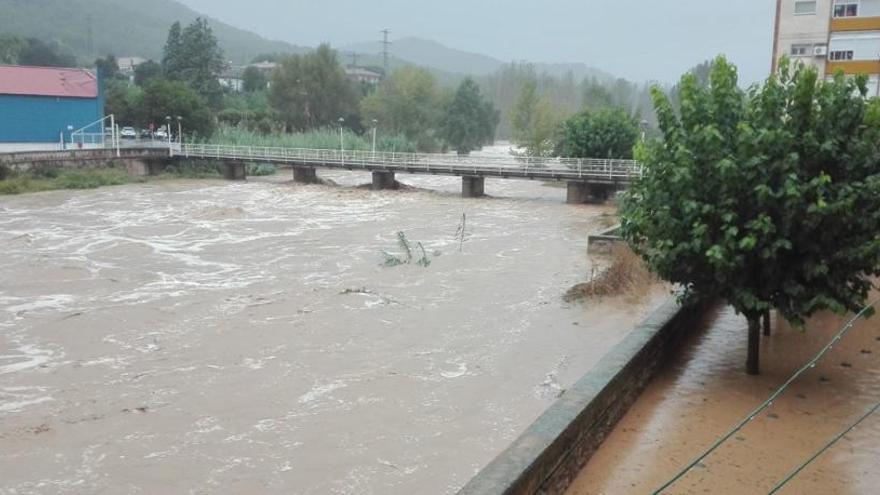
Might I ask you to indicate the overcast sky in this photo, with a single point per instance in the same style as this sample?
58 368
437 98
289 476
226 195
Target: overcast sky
637 39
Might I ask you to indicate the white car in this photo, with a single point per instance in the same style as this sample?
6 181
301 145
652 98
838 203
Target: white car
160 134
128 133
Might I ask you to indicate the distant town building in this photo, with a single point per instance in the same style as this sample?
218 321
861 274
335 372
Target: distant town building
362 75
127 65
831 35
40 106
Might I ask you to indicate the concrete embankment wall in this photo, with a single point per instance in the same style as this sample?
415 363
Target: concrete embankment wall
552 451
135 160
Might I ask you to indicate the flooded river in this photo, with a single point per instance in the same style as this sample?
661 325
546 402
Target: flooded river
217 337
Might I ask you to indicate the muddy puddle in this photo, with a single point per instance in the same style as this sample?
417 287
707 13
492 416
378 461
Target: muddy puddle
706 392
216 337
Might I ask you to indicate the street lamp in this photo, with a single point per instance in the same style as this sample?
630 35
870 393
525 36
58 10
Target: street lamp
168 134
375 123
341 140
179 129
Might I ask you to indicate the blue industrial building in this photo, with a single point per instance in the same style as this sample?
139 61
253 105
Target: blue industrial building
42 104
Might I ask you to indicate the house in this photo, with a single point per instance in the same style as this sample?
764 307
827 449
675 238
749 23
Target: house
232 79
362 75
41 106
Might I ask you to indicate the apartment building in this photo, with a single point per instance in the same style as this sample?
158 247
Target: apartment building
831 35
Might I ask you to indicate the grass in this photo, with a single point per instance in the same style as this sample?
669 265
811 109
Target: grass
625 275
48 179
322 139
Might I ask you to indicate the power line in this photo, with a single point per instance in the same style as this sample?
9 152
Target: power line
825 448
769 402
385 45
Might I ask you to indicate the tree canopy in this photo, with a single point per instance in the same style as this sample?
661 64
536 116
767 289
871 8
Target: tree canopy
767 199
312 90
469 120
194 56
409 103
606 133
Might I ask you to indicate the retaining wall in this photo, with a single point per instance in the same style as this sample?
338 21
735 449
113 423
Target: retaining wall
552 451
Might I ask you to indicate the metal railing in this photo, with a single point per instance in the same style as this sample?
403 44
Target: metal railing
607 169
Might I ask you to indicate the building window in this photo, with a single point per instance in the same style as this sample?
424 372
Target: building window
801 50
840 55
846 8
804 7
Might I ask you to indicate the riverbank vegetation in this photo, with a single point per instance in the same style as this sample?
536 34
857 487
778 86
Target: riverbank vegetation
767 198
48 179
623 274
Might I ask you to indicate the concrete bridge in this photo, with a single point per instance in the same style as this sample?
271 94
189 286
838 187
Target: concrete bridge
588 180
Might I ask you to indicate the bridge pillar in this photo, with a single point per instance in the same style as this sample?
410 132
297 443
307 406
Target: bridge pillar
472 187
305 175
578 193
234 171
383 180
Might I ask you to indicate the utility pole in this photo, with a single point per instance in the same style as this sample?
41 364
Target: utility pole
385 44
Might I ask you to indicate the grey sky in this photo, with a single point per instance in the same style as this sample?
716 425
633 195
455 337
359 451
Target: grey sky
636 39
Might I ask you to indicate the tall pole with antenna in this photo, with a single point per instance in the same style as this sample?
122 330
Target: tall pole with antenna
385 44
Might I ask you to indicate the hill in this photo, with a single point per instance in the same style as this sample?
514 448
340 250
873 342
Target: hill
122 27
448 60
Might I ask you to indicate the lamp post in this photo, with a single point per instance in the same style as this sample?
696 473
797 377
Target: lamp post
375 124
168 134
341 140
179 129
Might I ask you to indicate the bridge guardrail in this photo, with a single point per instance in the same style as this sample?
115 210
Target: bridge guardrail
621 170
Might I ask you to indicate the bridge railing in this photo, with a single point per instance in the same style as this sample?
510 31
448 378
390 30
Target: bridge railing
417 162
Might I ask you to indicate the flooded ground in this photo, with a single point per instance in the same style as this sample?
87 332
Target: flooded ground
706 393
218 337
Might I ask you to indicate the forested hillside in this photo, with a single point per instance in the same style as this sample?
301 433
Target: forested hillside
92 28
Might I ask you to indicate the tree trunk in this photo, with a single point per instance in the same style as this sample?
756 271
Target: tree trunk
753 366
767 323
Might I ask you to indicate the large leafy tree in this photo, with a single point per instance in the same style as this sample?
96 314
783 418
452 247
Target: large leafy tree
162 98
607 133
254 80
767 199
193 55
469 120
408 103
312 90
536 122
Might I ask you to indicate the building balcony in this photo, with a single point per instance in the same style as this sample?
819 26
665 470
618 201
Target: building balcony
852 67
842 24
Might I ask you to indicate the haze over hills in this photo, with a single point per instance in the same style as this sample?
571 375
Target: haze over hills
438 56
122 27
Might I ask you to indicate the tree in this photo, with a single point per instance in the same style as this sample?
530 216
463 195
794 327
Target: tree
254 80
11 48
108 67
312 90
146 72
40 54
408 103
194 56
163 98
766 199
523 113
607 133
172 61
469 120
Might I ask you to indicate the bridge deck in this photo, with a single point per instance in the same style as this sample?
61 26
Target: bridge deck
586 170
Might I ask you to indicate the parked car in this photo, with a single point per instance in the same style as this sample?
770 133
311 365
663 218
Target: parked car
160 134
146 134
128 133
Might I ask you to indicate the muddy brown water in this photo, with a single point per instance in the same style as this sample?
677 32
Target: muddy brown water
706 392
216 337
